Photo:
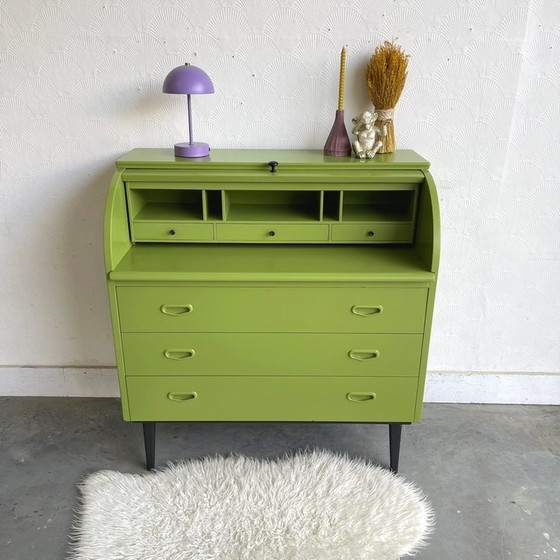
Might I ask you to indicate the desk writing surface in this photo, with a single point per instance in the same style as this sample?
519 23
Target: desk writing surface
283 262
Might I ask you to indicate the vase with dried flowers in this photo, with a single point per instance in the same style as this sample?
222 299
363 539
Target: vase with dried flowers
385 77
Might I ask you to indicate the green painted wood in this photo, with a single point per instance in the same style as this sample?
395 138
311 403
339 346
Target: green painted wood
168 211
381 206
198 227
173 232
164 204
293 309
255 263
164 158
425 351
255 177
118 349
270 206
428 230
272 232
428 247
373 232
162 398
116 240
272 354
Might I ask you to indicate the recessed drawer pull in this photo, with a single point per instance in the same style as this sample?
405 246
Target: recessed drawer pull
361 397
182 396
176 310
363 355
178 354
367 310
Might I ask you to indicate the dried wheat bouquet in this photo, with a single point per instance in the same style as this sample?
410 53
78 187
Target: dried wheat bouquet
385 77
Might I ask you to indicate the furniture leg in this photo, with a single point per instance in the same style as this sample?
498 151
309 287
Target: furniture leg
395 431
150 444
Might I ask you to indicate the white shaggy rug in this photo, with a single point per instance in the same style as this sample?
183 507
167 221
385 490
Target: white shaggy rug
312 506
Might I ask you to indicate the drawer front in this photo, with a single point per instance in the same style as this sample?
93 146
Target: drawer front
352 399
271 354
272 232
171 231
373 232
184 309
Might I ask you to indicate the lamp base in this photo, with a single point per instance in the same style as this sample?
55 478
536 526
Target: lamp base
196 149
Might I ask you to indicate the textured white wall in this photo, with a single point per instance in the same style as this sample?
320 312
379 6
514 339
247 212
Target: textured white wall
80 83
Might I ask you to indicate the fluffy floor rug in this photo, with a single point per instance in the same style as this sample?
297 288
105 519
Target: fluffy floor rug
312 506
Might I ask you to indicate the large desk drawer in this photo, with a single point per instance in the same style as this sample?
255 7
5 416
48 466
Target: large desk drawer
217 309
352 399
271 354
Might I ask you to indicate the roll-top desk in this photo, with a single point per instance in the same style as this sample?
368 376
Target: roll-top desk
271 285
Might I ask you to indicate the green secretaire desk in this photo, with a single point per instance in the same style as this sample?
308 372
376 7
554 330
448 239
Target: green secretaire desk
271 285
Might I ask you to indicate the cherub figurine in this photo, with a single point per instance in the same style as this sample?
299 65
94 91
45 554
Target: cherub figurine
366 145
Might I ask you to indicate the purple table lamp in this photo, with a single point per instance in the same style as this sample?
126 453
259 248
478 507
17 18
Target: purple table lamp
189 79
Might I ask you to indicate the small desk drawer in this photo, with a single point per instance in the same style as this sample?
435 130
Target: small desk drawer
352 399
272 232
222 309
391 232
171 231
272 354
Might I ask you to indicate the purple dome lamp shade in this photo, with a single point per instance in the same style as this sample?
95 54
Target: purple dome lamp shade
189 80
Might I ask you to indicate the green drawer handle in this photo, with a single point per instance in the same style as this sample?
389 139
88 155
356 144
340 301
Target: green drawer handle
182 396
363 355
367 310
175 310
361 397
178 354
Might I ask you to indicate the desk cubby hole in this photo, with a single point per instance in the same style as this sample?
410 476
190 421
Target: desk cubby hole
378 206
166 205
214 205
268 206
331 206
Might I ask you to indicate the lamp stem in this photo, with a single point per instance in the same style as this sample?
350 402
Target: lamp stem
190 117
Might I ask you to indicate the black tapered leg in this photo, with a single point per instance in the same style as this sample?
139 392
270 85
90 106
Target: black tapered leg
150 444
395 431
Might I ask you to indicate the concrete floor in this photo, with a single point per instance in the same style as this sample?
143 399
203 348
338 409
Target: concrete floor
491 472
